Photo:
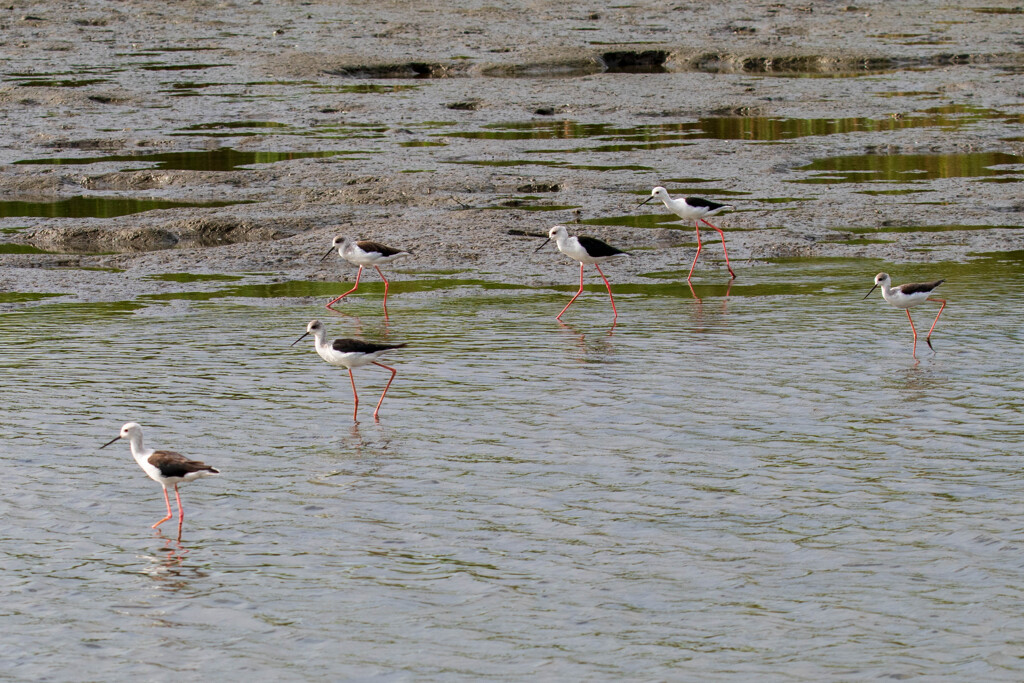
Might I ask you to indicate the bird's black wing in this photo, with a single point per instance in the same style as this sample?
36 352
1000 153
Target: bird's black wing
918 287
173 464
597 248
705 203
360 346
382 249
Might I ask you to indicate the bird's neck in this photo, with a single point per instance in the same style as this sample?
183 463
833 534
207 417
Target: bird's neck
138 451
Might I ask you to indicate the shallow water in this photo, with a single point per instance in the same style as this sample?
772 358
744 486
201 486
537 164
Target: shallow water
763 486
93 207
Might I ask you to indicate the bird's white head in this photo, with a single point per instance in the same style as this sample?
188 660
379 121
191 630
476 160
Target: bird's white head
881 280
658 192
340 243
315 328
559 232
129 430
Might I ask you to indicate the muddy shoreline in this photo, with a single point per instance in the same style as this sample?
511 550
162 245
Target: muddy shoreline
265 128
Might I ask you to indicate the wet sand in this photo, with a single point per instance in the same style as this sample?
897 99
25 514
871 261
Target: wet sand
442 132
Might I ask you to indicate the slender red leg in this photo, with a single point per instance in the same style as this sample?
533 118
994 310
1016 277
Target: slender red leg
355 396
727 265
616 317
181 510
169 514
386 387
929 337
692 265
559 316
914 329
354 288
385 289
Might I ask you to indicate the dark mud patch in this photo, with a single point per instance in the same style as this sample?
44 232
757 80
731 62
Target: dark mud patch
465 105
400 70
570 65
635 61
12 98
571 62
833 65
304 65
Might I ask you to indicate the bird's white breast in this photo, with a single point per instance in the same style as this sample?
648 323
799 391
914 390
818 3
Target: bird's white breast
897 298
680 208
344 359
572 248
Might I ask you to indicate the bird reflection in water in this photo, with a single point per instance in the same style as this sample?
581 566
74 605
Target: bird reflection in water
698 313
167 566
597 349
378 330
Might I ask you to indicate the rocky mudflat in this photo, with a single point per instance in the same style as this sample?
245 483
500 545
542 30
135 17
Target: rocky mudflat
238 138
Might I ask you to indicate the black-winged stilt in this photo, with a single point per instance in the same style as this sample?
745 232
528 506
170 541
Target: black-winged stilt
364 253
693 209
585 250
906 297
164 467
348 354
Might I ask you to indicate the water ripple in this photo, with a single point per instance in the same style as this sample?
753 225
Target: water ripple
758 488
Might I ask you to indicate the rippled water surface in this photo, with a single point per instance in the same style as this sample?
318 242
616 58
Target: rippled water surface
763 486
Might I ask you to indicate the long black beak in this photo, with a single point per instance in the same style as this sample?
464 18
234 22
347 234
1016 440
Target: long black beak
299 339
869 293
329 252
116 438
646 200
542 246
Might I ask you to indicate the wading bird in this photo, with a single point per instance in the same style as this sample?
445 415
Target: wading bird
348 354
906 297
164 467
693 209
585 250
364 253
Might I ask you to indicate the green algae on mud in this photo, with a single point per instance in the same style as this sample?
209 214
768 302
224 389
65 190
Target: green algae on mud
220 159
904 168
771 277
552 164
300 289
194 277
224 129
752 128
26 297
910 229
96 207
11 248
644 220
